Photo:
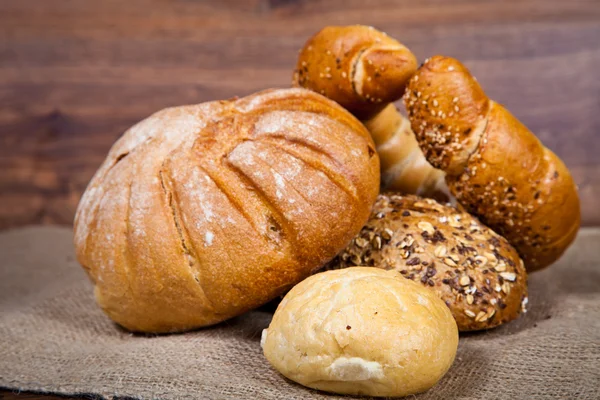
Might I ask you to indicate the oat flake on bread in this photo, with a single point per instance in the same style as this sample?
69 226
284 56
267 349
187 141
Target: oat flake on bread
476 272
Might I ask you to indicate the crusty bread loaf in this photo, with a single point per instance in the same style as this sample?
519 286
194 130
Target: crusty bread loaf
202 212
476 272
361 331
365 70
496 167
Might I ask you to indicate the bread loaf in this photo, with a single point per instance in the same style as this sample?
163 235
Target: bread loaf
365 70
361 331
202 212
496 167
476 272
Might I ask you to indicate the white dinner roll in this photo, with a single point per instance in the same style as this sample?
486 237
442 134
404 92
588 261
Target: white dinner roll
362 331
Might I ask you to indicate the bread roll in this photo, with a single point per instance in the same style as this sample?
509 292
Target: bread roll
357 66
361 331
496 167
365 70
202 212
404 168
476 272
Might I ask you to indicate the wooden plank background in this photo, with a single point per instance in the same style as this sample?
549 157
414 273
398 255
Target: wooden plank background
74 74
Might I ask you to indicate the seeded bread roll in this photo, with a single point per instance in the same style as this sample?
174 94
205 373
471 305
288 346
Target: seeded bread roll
357 66
476 272
202 212
365 70
496 167
361 331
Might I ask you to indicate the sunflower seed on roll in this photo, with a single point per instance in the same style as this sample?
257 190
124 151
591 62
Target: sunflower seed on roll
477 273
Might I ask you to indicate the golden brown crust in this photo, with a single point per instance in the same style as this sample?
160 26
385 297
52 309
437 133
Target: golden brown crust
497 168
357 66
364 70
165 226
475 271
446 108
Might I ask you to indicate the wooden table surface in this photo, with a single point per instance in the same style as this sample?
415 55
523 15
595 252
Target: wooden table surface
74 74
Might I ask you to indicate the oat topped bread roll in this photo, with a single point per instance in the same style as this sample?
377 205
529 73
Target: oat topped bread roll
476 272
496 167
203 212
361 331
365 70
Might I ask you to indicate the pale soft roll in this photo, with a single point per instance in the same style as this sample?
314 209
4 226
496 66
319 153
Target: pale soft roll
404 168
362 331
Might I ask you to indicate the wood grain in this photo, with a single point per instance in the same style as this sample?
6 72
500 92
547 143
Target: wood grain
75 74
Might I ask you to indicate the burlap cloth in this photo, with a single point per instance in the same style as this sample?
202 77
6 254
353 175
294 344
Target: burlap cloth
54 339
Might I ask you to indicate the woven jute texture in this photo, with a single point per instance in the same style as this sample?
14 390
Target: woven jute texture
53 338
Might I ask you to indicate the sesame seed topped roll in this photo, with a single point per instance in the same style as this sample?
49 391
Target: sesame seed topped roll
357 66
496 168
448 127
